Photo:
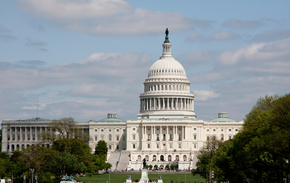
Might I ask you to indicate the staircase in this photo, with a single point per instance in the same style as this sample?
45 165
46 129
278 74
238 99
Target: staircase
123 161
114 157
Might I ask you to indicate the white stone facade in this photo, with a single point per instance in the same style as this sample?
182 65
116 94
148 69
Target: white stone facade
166 130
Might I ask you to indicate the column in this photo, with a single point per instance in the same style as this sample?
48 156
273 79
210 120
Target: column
158 103
30 133
140 105
163 103
154 103
167 133
172 104
182 132
36 134
20 135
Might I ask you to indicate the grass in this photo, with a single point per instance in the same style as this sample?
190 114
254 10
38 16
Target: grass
121 178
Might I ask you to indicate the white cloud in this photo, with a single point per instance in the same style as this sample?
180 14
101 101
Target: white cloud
222 36
110 67
113 17
66 10
205 95
257 53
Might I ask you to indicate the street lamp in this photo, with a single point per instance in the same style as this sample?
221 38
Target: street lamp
32 171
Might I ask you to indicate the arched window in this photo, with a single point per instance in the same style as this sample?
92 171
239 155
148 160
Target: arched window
222 136
176 158
139 157
154 158
161 158
184 158
110 147
169 157
147 158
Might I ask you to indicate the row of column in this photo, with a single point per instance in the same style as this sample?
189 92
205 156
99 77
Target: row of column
167 87
166 104
24 133
153 134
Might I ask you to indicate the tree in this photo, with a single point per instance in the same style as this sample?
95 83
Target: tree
260 150
63 128
101 149
205 155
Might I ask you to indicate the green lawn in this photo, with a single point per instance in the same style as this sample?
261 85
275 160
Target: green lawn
121 178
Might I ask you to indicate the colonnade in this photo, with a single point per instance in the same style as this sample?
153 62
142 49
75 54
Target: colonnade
166 87
163 133
166 104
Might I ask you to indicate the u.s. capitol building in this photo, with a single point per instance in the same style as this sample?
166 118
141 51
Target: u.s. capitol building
166 130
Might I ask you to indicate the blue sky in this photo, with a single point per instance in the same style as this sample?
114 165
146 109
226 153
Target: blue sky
86 58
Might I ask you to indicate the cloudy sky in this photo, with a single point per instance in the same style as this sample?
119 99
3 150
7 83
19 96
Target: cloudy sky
85 58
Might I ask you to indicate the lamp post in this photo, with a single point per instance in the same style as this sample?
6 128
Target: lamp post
32 171
24 179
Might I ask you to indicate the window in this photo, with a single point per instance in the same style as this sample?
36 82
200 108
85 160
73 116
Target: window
170 129
102 137
117 130
118 138
109 130
149 137
157 145
170 145
110 137
214 130
102 130
96 130
134 147
194 129
133 128
157 137
96 138
230 129
222 129
179 145
134 137
148 129
194 146
207 130
124 138
123 130
222 137
110 147
179 128
170 136
230 137
157 128
179 136
164 129
148 145
236 130
194 137
154 158
207 137
139 157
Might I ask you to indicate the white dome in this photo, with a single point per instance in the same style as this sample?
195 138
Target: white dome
167 66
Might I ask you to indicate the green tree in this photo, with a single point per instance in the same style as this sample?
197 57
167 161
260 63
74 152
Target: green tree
259 151
101 149
205 155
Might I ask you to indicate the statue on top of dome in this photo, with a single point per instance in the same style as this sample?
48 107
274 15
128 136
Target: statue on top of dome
166 37
166 32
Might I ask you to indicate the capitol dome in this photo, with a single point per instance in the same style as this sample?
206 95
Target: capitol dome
167 89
